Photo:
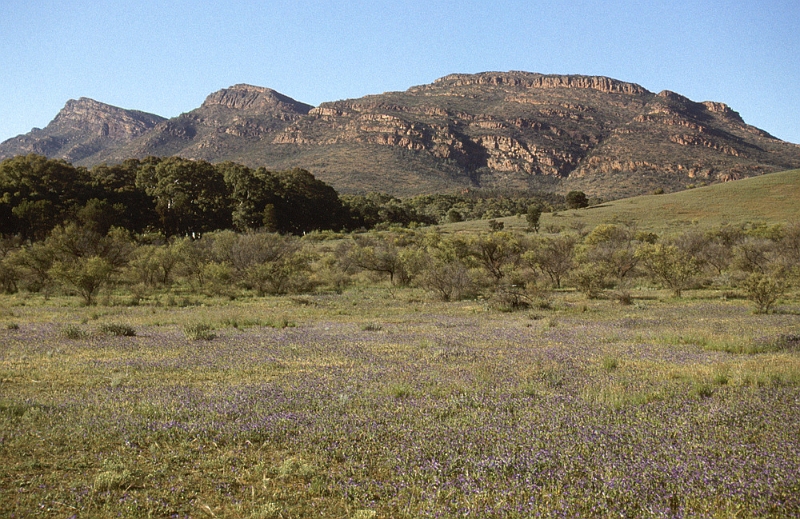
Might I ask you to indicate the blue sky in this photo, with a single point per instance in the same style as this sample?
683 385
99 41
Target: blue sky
166 56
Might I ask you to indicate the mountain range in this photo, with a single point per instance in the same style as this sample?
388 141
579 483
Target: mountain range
494 130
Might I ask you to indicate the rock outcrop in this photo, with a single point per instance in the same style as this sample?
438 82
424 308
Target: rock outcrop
81 129
513 130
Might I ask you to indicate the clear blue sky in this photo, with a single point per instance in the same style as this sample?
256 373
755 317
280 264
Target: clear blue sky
166 56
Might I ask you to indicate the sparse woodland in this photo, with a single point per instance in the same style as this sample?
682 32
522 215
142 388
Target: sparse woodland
188 227
193 340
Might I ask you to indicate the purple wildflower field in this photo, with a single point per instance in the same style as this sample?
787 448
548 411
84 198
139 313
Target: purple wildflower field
380 406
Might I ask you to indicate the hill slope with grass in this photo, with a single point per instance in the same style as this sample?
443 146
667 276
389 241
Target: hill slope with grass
769 199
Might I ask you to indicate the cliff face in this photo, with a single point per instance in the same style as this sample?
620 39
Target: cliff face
255 99
498 130
81 129
224 127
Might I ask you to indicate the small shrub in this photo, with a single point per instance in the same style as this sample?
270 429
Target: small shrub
280 323
267 511
111 479
610 363
296 468
783 342
764 291
552 228
702 390
74 332
496 226
511 298
12 326
400 390
721 379
199 331
623 297
118 330
372 327
550 322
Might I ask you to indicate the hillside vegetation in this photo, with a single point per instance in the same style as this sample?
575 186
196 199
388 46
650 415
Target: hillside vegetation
771 198
636 359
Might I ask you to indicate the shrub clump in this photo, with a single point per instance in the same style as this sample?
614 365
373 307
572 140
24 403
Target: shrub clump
199 332
118 330
74 332
372 327
764 291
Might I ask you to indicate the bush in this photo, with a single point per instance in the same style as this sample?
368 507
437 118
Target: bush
764 290
577 200
74 332
118 330
372 327
199 331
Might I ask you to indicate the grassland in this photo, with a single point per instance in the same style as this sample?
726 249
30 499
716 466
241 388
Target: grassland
384 403
381 401
767 199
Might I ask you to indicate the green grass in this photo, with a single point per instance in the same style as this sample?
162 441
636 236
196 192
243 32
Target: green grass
770 198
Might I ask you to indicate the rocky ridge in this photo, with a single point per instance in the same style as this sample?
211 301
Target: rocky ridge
81 129
512 130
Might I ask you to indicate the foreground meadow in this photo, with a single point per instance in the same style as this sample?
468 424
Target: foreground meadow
383 403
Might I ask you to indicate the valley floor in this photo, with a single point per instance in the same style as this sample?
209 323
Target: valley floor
382 403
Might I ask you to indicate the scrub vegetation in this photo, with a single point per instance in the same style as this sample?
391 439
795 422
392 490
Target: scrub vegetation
475 369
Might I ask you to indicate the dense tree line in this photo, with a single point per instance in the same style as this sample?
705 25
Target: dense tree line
180 197
171 196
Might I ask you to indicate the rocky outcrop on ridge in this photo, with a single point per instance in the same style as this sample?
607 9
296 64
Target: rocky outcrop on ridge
499 130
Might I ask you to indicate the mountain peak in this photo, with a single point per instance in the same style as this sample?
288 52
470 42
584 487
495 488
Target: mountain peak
495 130
534 80
255 98
81 129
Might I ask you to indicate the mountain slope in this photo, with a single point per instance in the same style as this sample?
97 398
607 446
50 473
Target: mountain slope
512 130
81 130
229 122
771 199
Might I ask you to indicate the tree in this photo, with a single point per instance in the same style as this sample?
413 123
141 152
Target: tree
379 254
85 275
576 200
191 197
85 260
553 256
35 262
306 204
669 265
254 194
444 271
756 255
453 216
611 249
533 216
37 193
154 264
133 208
495 252
764 290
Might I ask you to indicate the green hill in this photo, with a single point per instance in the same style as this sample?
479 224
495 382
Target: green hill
771 198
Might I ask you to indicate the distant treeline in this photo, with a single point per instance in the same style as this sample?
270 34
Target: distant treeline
180 197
